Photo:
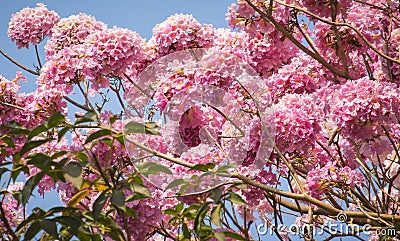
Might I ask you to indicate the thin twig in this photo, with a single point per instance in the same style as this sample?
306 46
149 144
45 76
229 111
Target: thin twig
18 64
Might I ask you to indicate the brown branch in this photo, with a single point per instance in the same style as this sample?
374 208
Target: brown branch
282 29
335 24
327 208
77 104
18 64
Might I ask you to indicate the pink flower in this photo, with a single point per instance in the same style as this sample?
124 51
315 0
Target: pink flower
72 31
179 32
31 25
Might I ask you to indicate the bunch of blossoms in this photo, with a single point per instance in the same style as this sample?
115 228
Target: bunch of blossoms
31 25
149 214
233 42
302 75
362 109
29 110
67 67
9 98
13 213
71 31
267 49
266 54
297 124
333 175
374 24
391 70
323 8
355 51
370 21
115 49
179 32
242 16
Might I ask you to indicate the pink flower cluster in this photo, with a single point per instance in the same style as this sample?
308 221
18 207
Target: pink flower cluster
31 25
323 8
267 49
267 54
29 110
362 107
242 16
329 176
72 31
10 205
392 70
302 75
69 66
179 32
115 49
297 124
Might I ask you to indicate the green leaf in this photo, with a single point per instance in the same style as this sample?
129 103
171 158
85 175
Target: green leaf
216 194
38 130
8 141
216 215
226 169
236 199
97 134
133 127
184 188
83 237
113 118
185 231
82 157
70 222
29 186
200 214
77 198
39 160
121 138
234 236
171 211
58 154
175 183
16 128
50 227
32 231
32 144
56 119
118 198
130 212
179 207
3 170
203 167
73 173
88 117
63 131
135 197
99 204
152 168
220 236
140 189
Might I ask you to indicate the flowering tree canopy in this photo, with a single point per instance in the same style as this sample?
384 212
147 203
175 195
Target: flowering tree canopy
214 133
